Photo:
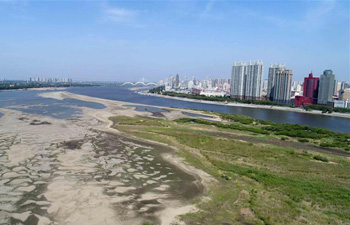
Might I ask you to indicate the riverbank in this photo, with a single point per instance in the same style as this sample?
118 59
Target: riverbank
261 178
80 170
116 165
298 110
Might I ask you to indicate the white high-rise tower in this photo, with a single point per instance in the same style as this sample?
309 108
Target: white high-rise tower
246 80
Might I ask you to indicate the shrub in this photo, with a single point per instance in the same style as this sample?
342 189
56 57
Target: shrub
320 158
303 140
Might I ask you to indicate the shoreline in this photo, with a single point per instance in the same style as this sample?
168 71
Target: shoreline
298 110
170 213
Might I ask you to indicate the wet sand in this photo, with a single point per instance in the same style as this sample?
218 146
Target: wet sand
81 171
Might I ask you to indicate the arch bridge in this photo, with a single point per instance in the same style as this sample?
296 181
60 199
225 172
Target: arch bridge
143 82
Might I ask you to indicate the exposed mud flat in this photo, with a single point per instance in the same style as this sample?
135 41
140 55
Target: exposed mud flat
71 171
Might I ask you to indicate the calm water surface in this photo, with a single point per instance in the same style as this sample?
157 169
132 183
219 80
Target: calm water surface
31 102
123 94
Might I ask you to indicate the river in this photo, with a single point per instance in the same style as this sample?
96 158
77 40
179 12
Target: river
124 94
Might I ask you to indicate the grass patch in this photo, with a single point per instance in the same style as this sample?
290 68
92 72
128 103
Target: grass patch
257 183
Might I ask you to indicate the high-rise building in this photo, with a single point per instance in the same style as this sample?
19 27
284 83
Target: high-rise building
311 85
253 79
271 78
336 90
177 80
326 88
237 79
310 91
282 86
246 80
171 81
344 85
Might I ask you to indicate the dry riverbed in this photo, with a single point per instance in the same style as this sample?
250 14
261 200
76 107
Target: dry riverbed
81 171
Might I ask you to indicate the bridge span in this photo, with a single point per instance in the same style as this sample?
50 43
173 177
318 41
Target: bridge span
143 82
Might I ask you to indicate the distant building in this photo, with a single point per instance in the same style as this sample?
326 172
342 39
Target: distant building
213 93
341 104
344 85
246 80
170 82
310 91
302 101
326 88
253 80
311 85
49 80
271 79
177 80
282 86
264 85
195 91
336 88
237 80
344 94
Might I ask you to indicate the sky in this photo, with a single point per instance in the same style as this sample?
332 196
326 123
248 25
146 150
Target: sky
129 40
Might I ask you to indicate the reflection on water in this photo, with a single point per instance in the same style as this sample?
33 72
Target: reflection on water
31 102
123 94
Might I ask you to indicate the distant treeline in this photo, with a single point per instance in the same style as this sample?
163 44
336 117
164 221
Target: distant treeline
157 90
13 86
324 109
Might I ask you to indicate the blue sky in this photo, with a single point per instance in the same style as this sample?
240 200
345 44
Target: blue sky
128 40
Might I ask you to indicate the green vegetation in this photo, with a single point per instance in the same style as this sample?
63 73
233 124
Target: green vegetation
303 140
303 133
126 120
222 99
320 158
157 90
146 223
257 183
326 109
257 130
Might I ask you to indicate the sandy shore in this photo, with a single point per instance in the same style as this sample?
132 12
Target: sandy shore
47 89
298 110
60 171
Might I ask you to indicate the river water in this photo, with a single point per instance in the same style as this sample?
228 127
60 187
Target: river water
30 102
123 94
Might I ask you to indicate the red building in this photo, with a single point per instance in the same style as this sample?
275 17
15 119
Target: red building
311 88
310 91
301 101
196 91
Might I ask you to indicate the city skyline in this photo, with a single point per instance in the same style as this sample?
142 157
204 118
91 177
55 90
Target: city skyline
189 38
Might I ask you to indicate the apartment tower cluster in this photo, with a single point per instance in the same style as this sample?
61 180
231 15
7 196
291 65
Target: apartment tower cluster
320 90
246 81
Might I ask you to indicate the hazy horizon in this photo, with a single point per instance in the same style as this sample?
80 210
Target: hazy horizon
125 41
